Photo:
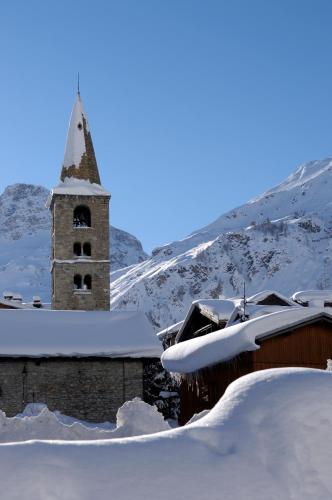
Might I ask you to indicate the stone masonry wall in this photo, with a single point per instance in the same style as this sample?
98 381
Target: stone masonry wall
65 297
86 388
66 264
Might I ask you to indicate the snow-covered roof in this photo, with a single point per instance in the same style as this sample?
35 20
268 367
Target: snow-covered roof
258 297
314 297
76 333
256 310
17 304
170 330
215 309
219 346
218 309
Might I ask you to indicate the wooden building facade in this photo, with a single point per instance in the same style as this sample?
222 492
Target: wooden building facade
308 344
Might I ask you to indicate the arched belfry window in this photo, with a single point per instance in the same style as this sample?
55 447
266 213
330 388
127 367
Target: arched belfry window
87 249
82 216
78 282
87 282
77 249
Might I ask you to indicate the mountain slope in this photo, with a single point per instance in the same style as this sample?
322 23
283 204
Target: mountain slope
280 239
25 230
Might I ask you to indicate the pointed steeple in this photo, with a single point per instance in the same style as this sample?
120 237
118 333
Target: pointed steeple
80 160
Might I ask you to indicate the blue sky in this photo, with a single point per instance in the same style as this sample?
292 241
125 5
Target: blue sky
194 106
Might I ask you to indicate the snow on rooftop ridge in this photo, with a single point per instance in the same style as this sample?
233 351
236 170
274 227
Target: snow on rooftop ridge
258 297
219 346
75 144
309 295
216 309
169 330
313 298
14 303
219 309
69 333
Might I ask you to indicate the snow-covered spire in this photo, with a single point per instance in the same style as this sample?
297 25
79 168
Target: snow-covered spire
80 160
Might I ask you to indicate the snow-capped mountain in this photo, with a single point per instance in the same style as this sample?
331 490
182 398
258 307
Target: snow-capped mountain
25 242
281 239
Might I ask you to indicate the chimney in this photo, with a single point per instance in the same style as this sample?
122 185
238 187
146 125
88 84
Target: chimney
36 302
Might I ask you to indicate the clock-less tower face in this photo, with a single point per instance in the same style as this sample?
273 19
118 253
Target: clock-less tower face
80 225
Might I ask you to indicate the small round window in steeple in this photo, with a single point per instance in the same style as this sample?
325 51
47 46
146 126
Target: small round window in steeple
79 126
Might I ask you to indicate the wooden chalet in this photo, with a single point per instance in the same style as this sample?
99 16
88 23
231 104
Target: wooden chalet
293 336
210 315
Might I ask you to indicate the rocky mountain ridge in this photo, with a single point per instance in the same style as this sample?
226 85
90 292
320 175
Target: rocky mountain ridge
281 239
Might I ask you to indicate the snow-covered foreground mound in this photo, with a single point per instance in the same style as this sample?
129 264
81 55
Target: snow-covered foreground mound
269 437
37 422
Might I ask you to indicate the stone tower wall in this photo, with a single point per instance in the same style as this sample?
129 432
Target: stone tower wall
64 262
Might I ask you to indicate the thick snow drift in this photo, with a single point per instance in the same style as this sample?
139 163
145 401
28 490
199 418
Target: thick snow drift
269 437
37 422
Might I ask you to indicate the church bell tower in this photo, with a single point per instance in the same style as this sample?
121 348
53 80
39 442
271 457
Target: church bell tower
80 225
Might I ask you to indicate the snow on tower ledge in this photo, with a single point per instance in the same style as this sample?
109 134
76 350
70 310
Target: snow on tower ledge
79 187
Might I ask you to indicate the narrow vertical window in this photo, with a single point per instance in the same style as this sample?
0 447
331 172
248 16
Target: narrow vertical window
77 249
77 282
87 249
87 282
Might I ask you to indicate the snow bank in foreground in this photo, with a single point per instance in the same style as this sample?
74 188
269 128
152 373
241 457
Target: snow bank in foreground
269 437
37 422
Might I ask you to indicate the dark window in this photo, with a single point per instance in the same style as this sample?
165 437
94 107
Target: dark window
87 282
82 216
77 249
77 282
87 249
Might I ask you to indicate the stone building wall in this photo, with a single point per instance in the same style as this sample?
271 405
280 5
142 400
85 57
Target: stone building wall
65 297
86 388
65 264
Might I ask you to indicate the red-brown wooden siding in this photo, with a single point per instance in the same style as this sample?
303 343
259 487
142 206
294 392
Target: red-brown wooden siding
307 346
